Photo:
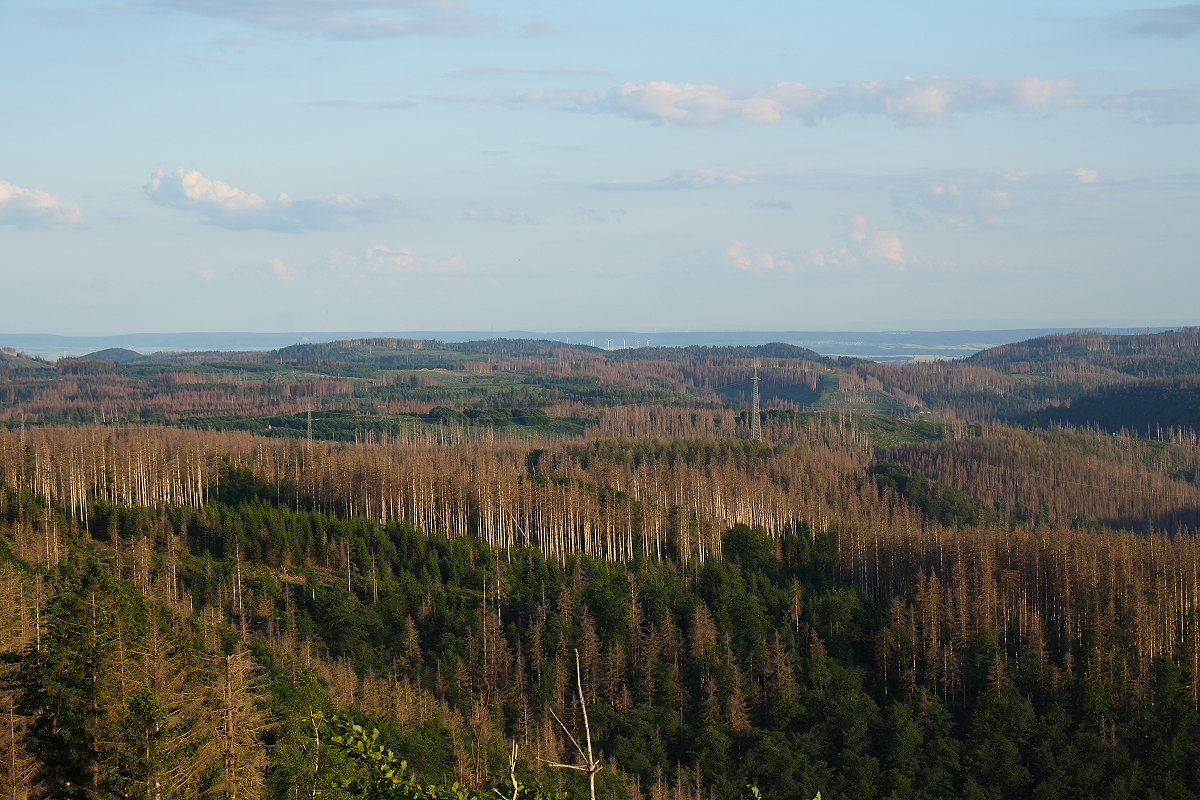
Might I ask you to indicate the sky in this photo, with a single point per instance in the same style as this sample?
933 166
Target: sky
382 165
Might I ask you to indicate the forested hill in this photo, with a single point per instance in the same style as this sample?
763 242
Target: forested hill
1142 355
366 350
1141 383
1148 383
119 354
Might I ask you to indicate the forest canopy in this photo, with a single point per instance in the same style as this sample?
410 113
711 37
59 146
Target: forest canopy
968 596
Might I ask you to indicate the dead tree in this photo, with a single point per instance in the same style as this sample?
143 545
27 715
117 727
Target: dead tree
590 765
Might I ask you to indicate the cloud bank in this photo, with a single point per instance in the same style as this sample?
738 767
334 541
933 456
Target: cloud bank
229 207
927 101
31 208
911 101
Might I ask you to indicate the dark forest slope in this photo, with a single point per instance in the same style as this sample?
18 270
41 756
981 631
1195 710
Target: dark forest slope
1151 408
1138 355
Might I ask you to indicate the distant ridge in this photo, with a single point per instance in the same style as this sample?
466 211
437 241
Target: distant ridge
898 346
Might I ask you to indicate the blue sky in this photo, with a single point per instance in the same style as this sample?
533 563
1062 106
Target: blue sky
170 165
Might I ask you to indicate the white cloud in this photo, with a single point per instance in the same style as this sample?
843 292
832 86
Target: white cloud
1084 175
923 104
345 19
744 257
1036 94
229 207
690 103
915 101
30 208
382 259
189 188
281 270
883 247
864 246
925 101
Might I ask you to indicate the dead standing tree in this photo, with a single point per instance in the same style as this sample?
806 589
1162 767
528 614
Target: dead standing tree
590 765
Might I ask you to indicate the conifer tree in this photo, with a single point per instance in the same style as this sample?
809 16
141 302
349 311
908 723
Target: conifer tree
68 684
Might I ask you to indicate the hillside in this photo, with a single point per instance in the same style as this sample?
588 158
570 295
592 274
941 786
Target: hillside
1152 407
15 363
1141 355
1079 379
930 603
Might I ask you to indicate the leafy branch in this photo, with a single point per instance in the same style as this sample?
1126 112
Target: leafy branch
388 777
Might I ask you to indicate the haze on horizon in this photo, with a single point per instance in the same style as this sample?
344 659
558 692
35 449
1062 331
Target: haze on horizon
267 165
